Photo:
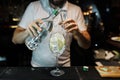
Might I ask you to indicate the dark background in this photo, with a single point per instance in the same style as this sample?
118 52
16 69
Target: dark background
100 27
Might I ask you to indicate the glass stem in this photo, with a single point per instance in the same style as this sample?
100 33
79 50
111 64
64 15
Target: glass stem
57 62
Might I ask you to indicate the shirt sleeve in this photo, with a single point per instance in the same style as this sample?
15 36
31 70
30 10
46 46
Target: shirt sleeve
80 20
27 17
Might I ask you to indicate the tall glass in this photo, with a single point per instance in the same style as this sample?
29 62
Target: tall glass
57 46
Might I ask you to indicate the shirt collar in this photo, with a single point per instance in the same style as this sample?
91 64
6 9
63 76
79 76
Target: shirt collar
65 7
45 4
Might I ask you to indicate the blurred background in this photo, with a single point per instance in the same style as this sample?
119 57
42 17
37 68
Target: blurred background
101 17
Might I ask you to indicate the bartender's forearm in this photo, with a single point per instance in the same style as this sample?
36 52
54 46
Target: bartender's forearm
83 39
19 36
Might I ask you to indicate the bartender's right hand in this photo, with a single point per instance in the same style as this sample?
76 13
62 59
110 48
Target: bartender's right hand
34 27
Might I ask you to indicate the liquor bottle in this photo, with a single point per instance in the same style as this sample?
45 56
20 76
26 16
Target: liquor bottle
32 44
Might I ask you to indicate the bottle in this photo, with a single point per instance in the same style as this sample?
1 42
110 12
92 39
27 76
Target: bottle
32 44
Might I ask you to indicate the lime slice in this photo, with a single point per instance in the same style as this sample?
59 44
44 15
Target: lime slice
57 43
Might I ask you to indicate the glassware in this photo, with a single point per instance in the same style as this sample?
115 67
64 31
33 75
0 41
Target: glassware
63 15
32 44
57 46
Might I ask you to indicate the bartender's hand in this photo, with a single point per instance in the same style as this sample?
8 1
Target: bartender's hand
70 26
82 37
34 27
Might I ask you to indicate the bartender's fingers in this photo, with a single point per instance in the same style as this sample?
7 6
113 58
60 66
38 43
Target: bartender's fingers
30 32
70 25
33 28
72 29
64 22
68 21
38 22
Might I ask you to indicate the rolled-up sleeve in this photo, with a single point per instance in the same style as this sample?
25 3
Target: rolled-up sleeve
27 17
80 20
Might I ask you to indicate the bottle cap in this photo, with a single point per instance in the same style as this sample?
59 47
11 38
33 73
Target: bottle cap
85 68
56 11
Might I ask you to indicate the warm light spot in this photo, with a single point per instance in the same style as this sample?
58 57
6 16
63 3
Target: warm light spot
91 11
90 7
16 19
13 26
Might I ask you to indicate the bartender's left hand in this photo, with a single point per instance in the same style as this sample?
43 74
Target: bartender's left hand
70 26
82 37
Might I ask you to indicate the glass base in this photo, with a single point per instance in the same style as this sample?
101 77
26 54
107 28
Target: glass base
57 72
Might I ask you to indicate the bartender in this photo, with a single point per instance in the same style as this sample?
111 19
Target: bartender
73 26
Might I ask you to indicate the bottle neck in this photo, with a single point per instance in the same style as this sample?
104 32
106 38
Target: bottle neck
53 15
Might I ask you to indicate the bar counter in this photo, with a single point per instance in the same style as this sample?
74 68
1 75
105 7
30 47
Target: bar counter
43 73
